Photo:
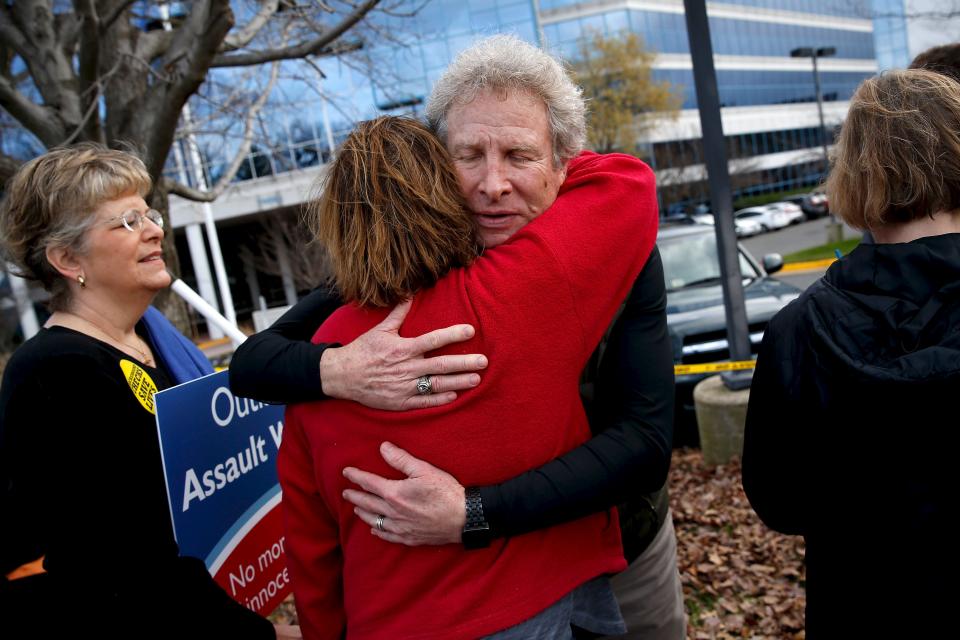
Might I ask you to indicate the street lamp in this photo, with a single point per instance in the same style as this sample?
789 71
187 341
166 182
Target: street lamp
813 54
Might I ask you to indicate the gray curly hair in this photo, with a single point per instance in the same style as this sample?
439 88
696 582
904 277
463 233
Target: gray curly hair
505 62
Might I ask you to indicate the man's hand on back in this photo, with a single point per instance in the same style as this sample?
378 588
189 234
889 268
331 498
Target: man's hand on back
426 508
380 369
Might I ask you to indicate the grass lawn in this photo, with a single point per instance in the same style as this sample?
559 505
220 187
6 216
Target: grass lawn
823 251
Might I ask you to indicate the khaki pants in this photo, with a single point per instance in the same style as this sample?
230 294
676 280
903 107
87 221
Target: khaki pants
649 592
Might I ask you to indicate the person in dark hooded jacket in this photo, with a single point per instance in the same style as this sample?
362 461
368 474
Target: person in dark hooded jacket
851 437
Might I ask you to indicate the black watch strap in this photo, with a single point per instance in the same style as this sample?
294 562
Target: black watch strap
476 531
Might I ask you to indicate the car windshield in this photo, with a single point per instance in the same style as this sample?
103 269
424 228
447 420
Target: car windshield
691 260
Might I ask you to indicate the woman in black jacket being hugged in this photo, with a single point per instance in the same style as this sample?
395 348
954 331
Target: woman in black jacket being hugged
850 435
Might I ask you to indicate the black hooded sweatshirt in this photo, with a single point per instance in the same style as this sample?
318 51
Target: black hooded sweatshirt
851 438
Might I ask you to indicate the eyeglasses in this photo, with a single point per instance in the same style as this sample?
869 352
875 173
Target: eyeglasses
133 220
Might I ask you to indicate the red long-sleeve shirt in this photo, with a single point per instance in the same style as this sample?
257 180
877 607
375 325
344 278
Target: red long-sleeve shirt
540 303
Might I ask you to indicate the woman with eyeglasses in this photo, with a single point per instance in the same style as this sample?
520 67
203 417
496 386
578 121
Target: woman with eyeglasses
86 531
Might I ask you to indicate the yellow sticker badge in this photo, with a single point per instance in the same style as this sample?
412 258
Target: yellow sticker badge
140 383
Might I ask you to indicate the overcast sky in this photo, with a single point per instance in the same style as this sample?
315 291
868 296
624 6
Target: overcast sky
925 30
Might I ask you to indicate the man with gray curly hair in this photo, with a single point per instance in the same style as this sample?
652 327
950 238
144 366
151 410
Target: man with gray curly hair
513 119
514 123
504 63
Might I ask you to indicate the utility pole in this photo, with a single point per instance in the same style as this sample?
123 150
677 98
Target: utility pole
814 54
718 176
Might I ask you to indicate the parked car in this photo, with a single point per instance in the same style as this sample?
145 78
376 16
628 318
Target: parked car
813 204
793 212
747 227
744 228
689 218
695 312
769 218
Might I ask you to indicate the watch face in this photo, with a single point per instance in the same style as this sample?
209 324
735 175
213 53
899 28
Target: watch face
476 536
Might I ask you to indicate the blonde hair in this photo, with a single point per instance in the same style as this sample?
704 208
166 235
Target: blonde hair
391 214
50 202
898 154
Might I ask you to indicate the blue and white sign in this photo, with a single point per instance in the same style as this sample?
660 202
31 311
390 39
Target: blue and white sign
219 456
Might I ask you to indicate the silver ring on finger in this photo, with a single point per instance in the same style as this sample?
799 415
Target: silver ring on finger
424 385
380 519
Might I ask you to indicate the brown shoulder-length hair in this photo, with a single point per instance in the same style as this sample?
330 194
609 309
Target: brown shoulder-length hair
944 59
391 214
898 154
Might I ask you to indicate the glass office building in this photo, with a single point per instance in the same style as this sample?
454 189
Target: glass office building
766 93
770 116
752 41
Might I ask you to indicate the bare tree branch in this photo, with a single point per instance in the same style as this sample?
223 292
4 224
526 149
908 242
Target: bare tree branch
110 15
189 193
306 261
11 34
247 132
908 11
67 27
41 121
51 71
188 58
241 37
318 45
242 152
89 68
96 91
153 44
405 14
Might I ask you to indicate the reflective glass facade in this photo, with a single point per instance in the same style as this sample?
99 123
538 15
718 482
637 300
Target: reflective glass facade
746 179
408 72
667 33
890 34
839 8
753 88
394 73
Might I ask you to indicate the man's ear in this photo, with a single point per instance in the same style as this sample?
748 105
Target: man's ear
64 260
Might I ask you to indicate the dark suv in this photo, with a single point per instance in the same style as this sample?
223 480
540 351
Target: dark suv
695 313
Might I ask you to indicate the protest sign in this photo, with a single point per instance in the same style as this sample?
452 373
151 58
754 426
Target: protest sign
219 456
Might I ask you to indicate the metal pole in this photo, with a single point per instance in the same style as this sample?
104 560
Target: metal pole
198 251
213 316
715 152
21 298
823 128
218 267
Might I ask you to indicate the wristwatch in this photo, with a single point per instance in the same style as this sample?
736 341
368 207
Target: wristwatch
476 531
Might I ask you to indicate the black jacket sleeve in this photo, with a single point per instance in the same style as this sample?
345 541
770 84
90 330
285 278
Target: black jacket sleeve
776 446
280 364
633 423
